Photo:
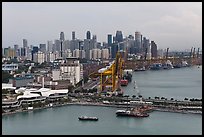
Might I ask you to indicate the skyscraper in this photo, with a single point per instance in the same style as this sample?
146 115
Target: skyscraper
61 41
119 36
42 48
154 49
110 39
17 50
49 46
73 35
88 35
62 36
56 46
138 42
15 47
114 50
23 52
25 46
25 43
35 50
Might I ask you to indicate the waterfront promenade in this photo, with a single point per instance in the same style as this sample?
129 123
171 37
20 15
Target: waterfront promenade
100 104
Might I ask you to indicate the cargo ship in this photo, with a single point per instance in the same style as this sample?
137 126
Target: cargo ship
123 82
88 118
127 74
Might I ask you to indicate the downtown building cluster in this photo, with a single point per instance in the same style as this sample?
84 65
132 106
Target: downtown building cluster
89 48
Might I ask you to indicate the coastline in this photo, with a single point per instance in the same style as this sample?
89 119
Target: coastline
103 105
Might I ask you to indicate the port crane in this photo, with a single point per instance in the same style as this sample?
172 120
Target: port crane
111 75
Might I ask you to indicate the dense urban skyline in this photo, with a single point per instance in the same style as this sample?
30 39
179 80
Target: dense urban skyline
175 25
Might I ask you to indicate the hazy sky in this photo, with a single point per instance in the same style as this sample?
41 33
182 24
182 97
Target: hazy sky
177 25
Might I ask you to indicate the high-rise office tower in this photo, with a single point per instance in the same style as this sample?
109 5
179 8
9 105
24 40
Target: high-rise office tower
137 36
15 47
88 35
114 39
114 50
153 49
49 46
138 42
119 36
56 45
42 48
146 47
17 51
110 39
34 50
94 37
22 52
73 35
25 46
25 43
62 36
61 43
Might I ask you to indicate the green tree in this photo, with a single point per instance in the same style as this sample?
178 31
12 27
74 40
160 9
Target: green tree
185 98
133 96
6 76
24 106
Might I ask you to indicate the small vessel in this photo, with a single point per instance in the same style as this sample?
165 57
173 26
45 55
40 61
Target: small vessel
131 113
167 65
177 66
88 118
140 69
156 66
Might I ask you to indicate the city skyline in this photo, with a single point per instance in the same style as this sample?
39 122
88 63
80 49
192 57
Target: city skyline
174 25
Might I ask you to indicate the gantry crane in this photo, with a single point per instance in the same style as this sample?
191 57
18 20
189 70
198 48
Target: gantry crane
111 75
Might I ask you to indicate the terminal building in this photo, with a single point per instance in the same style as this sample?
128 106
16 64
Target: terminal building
32 95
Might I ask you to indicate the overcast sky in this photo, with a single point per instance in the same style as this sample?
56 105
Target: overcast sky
177 25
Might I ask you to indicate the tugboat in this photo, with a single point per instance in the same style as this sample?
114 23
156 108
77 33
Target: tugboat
86 118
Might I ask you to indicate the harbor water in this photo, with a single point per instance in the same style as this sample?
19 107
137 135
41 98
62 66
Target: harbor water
176 83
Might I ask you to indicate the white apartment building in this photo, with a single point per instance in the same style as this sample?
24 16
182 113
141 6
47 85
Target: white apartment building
76 53
95 54
105 54
39 57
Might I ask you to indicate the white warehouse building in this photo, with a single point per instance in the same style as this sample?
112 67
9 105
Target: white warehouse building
70 70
